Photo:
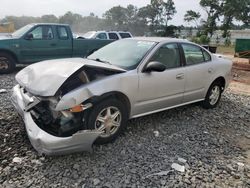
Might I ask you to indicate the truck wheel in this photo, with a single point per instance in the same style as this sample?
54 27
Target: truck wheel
7 63
110 117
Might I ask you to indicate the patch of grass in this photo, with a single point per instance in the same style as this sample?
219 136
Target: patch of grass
225 50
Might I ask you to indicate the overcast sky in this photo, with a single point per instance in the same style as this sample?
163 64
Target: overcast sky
83 7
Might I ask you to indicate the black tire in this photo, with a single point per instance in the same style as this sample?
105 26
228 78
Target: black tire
207 103
7 63
95 112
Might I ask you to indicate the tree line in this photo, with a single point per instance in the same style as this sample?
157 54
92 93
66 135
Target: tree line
152 19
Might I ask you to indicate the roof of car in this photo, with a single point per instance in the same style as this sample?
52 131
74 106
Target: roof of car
50 24
160 39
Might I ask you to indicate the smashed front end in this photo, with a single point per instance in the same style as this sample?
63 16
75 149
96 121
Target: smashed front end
54 131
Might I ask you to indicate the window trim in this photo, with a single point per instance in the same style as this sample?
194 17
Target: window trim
58 34
156 49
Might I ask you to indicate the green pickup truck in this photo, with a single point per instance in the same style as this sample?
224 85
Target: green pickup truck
37 42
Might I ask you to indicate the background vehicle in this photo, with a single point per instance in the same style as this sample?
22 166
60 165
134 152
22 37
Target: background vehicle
37 42
112 35
76 98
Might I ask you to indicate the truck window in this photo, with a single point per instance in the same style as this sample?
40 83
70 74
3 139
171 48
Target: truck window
113 36
101 36
42 33
125 35
62 33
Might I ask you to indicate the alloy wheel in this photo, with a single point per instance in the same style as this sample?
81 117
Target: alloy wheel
108 121
214 95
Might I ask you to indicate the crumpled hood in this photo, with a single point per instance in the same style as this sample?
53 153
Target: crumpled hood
46 77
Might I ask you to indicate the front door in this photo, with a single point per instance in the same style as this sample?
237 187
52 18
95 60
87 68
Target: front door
39 45
160 90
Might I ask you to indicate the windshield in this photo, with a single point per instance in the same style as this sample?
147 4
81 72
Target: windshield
89 34
125 53
20 32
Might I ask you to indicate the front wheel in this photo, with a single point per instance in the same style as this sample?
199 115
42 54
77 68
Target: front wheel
109 117
213 96
7 63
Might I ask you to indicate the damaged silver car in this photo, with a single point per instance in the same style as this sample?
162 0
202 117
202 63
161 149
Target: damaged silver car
68 104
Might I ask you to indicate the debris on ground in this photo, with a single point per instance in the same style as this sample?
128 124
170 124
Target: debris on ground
3 91
178 167
156 133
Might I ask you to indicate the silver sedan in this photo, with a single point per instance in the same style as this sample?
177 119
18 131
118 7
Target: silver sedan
69 104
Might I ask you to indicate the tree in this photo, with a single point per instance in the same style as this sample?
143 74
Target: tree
192 16
49 19
213 9
158 13
243 12
116 18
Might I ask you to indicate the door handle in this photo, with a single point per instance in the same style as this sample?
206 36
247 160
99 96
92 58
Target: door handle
180 76
53 44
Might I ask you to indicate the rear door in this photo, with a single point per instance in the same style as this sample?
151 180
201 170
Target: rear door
64 42
42 45
198 70
159 90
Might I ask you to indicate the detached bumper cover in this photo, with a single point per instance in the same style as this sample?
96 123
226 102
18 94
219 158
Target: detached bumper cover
48 144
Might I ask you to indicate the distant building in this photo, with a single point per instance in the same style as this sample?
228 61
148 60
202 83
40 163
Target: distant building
217 37
234 34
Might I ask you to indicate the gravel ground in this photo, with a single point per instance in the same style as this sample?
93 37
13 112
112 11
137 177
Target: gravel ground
213 147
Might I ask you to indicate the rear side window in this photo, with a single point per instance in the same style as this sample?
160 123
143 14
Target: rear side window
113 36
125 35
207 56
62 33
193 54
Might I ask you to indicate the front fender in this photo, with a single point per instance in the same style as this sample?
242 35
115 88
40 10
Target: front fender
126 83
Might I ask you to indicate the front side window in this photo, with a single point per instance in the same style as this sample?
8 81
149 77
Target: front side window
42 33
102 36
193 54
37 33
168 55
62 33
113 36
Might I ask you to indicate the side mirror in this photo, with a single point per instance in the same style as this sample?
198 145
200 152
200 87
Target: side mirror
155 66
29 36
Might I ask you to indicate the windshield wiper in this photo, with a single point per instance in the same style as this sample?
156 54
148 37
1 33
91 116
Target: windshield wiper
99 60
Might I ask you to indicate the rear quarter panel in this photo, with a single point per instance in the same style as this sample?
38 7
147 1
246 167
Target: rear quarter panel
221 68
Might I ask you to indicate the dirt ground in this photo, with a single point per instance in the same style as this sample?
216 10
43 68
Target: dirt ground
241 77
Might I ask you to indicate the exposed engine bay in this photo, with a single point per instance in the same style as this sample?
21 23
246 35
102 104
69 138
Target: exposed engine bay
67 122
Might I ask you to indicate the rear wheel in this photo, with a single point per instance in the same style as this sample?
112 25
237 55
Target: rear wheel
109 117
7 63
213 96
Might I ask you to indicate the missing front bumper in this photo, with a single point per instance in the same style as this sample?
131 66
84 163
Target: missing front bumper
46 143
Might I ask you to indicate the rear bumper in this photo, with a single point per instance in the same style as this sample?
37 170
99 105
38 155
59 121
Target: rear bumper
48 144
